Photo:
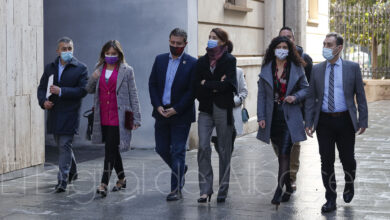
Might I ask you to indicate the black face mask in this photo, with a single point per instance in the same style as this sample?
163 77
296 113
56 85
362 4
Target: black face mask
176 51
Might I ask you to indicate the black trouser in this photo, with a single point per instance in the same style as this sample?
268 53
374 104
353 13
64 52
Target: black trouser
331 130
112 157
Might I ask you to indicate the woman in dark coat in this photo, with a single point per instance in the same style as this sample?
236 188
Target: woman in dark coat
282 87
216 83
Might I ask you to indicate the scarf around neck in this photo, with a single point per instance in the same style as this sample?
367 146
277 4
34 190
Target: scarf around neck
215 54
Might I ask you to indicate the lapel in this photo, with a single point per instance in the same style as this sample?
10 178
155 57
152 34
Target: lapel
98 82
266 74
294 70
322 69
121 76
180 68
164 68
344 72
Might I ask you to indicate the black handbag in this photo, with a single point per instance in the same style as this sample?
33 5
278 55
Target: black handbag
89 115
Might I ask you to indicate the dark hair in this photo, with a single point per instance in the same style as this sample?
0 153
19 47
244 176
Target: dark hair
117 46
64 40
224 37
339 38
287 28
178 32
293 54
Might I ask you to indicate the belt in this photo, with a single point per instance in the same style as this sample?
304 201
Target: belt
334 114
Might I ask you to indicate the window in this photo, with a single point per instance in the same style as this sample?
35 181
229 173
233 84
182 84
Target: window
313 13
237 5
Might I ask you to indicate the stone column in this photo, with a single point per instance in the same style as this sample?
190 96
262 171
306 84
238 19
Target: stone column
273 20
296 19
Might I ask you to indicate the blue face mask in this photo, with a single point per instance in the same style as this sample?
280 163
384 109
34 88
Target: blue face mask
327 53
66 56
212 43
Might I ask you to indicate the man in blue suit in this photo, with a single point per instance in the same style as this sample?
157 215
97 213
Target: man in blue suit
63 106
172 96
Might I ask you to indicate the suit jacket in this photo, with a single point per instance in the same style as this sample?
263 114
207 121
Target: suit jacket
127 100
297 86
64 117
182 91
352 86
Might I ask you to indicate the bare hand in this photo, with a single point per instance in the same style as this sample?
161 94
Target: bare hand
95 75
262 124
54 89
162 111
170 112
135 127
361 131
309 132
290 99
48 105
202 82
223 78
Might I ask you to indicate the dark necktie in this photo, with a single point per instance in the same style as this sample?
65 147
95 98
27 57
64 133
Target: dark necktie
331 89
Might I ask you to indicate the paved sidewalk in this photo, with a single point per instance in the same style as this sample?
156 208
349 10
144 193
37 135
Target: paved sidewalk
253 180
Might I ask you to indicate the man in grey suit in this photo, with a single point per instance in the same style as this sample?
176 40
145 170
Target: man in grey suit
331 111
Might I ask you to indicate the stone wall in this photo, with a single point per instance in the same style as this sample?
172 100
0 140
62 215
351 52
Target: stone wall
21 122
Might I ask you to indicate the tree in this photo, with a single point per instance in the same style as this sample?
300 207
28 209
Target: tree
365 23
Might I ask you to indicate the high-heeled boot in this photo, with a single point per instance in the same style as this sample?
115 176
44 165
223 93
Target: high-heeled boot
277 197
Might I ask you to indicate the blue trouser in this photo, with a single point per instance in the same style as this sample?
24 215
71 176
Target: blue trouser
66 162
171 142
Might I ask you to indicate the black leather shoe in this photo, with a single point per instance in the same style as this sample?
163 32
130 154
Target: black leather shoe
205 199
102 190
61 187
174 196
349 192
72 177
329 206
119 185
221 200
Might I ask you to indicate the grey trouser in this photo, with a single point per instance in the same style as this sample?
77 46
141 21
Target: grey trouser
206 124
66 160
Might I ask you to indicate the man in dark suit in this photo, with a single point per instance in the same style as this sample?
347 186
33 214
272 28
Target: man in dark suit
69 77
331 111
172 96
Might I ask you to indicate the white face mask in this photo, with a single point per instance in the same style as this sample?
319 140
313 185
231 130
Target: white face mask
281 53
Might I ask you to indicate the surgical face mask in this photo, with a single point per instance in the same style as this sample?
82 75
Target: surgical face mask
281 54
327 53
212 43
66 56
111 59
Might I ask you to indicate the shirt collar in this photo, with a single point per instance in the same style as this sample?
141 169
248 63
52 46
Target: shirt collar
179 58
337 63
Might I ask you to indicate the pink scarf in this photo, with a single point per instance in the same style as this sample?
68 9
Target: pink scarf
215 54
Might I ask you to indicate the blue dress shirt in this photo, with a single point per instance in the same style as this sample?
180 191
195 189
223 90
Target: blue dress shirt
339 98
173 64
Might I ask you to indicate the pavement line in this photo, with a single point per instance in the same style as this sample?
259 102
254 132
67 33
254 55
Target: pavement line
128 198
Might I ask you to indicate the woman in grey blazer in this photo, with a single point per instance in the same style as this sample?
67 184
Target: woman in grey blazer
117 110
282 87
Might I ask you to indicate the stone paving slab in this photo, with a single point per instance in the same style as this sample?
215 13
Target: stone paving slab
253 179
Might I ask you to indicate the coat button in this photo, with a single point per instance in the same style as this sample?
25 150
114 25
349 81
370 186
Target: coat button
108 102
108 93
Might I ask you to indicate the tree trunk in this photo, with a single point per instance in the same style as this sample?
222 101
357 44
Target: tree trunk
374 57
